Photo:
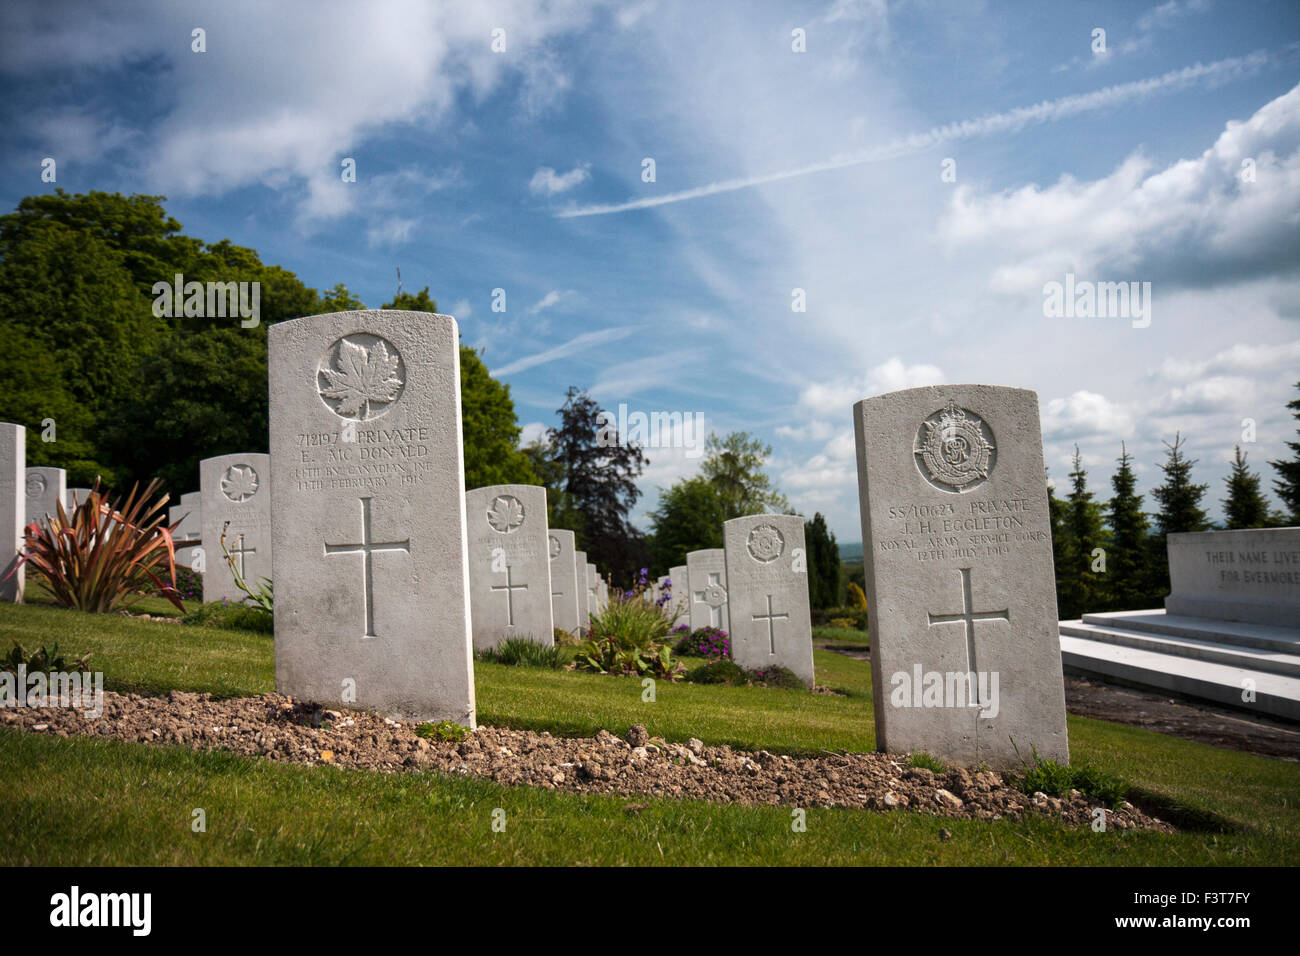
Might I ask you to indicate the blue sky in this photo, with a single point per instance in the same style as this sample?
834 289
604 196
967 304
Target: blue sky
775 170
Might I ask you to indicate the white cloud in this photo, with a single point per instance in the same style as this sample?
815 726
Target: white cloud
1195 221
1241 357
255 109
390 231
531 432
551 299
546 182
812 430
837 397
1011 121
1086 415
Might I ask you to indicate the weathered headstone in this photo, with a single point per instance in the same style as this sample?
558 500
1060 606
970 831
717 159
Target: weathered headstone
509 565
767 584
368 518
580 571
1250 575
235 495
961 594
602 593
72 497
564 581
188 536
707 571
13 509
679 604
593 589
45 489
189 512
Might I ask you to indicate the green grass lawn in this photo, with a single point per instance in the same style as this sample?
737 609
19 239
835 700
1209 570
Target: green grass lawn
91 801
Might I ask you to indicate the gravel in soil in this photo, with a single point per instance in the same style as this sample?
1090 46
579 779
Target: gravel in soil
282 729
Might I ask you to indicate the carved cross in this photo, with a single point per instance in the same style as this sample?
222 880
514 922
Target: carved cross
365 547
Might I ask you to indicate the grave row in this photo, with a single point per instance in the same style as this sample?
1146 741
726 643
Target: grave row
388 575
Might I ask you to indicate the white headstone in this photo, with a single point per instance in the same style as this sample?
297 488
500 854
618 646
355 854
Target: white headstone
767 585
602 593
564 581
45 489
509 565
13 509
189 535
961 592
708 588
679 606
580 570
189 512
235 489
371 566
593 590
72 497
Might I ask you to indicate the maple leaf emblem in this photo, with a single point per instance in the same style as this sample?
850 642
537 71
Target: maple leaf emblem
361 376
239 483
506 513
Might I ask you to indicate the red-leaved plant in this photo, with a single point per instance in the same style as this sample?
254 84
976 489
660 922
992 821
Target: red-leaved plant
104 555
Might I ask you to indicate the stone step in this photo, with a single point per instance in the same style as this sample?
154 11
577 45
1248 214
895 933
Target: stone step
1277 695
1265 636
1247 658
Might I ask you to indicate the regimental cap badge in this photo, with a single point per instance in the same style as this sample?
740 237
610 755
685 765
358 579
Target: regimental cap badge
954 449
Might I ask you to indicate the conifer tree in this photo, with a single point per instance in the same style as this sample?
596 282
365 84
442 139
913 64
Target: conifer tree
1287 484
1245 506
1126 558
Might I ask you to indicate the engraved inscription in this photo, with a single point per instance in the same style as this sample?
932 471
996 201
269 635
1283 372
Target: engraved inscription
954 450
370 459
36 485
974 528
360 376
555 546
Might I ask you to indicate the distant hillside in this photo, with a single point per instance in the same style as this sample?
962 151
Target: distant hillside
851 552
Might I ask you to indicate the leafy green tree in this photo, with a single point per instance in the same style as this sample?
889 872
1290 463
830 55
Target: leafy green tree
734 465
75 327
339 299
1127 556
824 580
1245 506
600 471
488 421
149 241
688 518
561 512
1287 483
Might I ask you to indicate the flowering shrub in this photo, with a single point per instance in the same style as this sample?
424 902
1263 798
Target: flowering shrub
711 643
629 636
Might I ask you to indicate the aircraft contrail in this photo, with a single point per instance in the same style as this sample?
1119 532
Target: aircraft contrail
1048 111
